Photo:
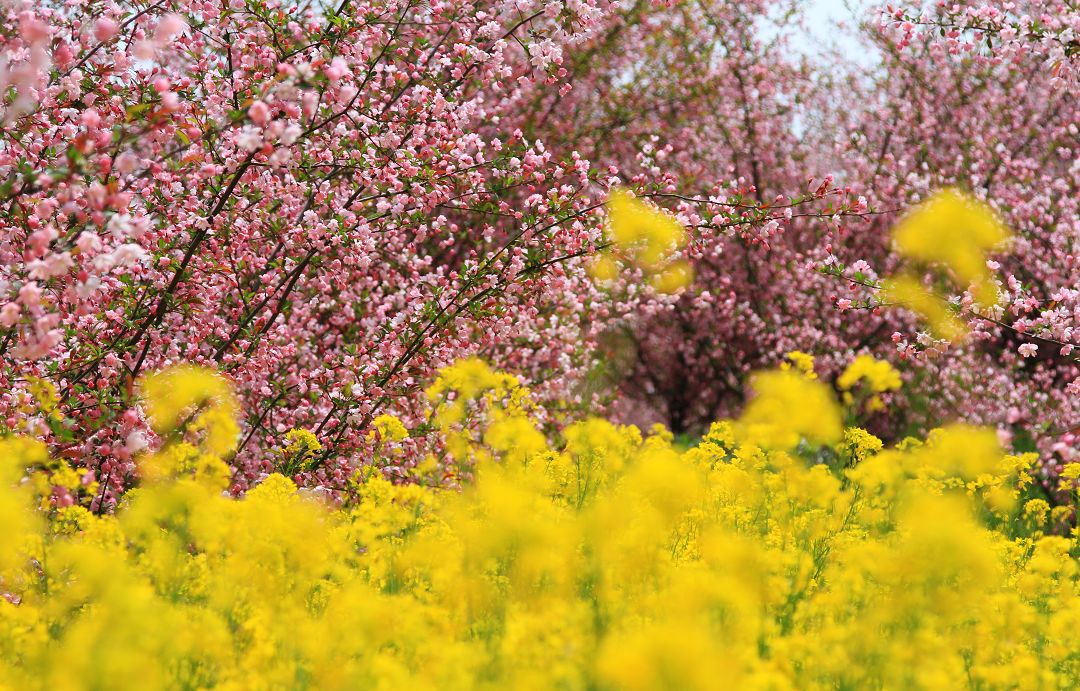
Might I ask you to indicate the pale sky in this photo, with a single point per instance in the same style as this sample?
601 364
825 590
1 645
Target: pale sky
822 17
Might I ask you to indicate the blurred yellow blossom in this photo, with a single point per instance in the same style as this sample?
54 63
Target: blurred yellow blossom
957 230
907 291
597 557
645 237
878 375
44 393
194 398
787 407
389 428
803 362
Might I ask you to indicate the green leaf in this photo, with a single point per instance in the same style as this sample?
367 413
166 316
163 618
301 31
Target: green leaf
136 111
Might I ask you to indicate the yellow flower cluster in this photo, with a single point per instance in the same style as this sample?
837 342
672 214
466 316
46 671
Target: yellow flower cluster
909 292
44 394
644 237
605 560
858 445
878 375
299 451
955 230
390 428
803 362
472 380
300 442
196 400
787 407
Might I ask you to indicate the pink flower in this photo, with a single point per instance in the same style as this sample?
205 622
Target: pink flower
135 442
259 113
169 26
90 118
144 50
30 294
105 28
1028 349
337 69
10 314
126 162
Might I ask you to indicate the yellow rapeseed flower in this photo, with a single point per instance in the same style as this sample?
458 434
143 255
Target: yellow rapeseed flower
787 407
803 362
907 291
645 237
389 428
957 230
594 558
877 375
196 398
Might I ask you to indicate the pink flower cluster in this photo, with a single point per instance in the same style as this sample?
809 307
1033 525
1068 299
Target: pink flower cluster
324 206
982 97
328 204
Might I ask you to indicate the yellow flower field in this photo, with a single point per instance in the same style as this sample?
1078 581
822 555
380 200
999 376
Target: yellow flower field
779 552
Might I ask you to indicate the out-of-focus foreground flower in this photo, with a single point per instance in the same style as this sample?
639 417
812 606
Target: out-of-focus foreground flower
765 556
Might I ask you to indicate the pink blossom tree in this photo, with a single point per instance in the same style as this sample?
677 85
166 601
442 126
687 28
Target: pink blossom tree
700 113
983 98
324 205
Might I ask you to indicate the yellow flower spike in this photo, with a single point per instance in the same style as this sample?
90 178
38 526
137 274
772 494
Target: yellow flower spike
660 432
721 434
674 278
45 394
301 441
212 472
17 454
170 462
389 428
1061 515
650 233
908 292
599 441
1071 471
645 237
787 407
803 362
858 445
515 437
471 377
667 482
220 427
71 520
957 230
1035 512
276 487
603 268
67 477
878 375
173 394
961 451
429 466
1002 501
20 524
